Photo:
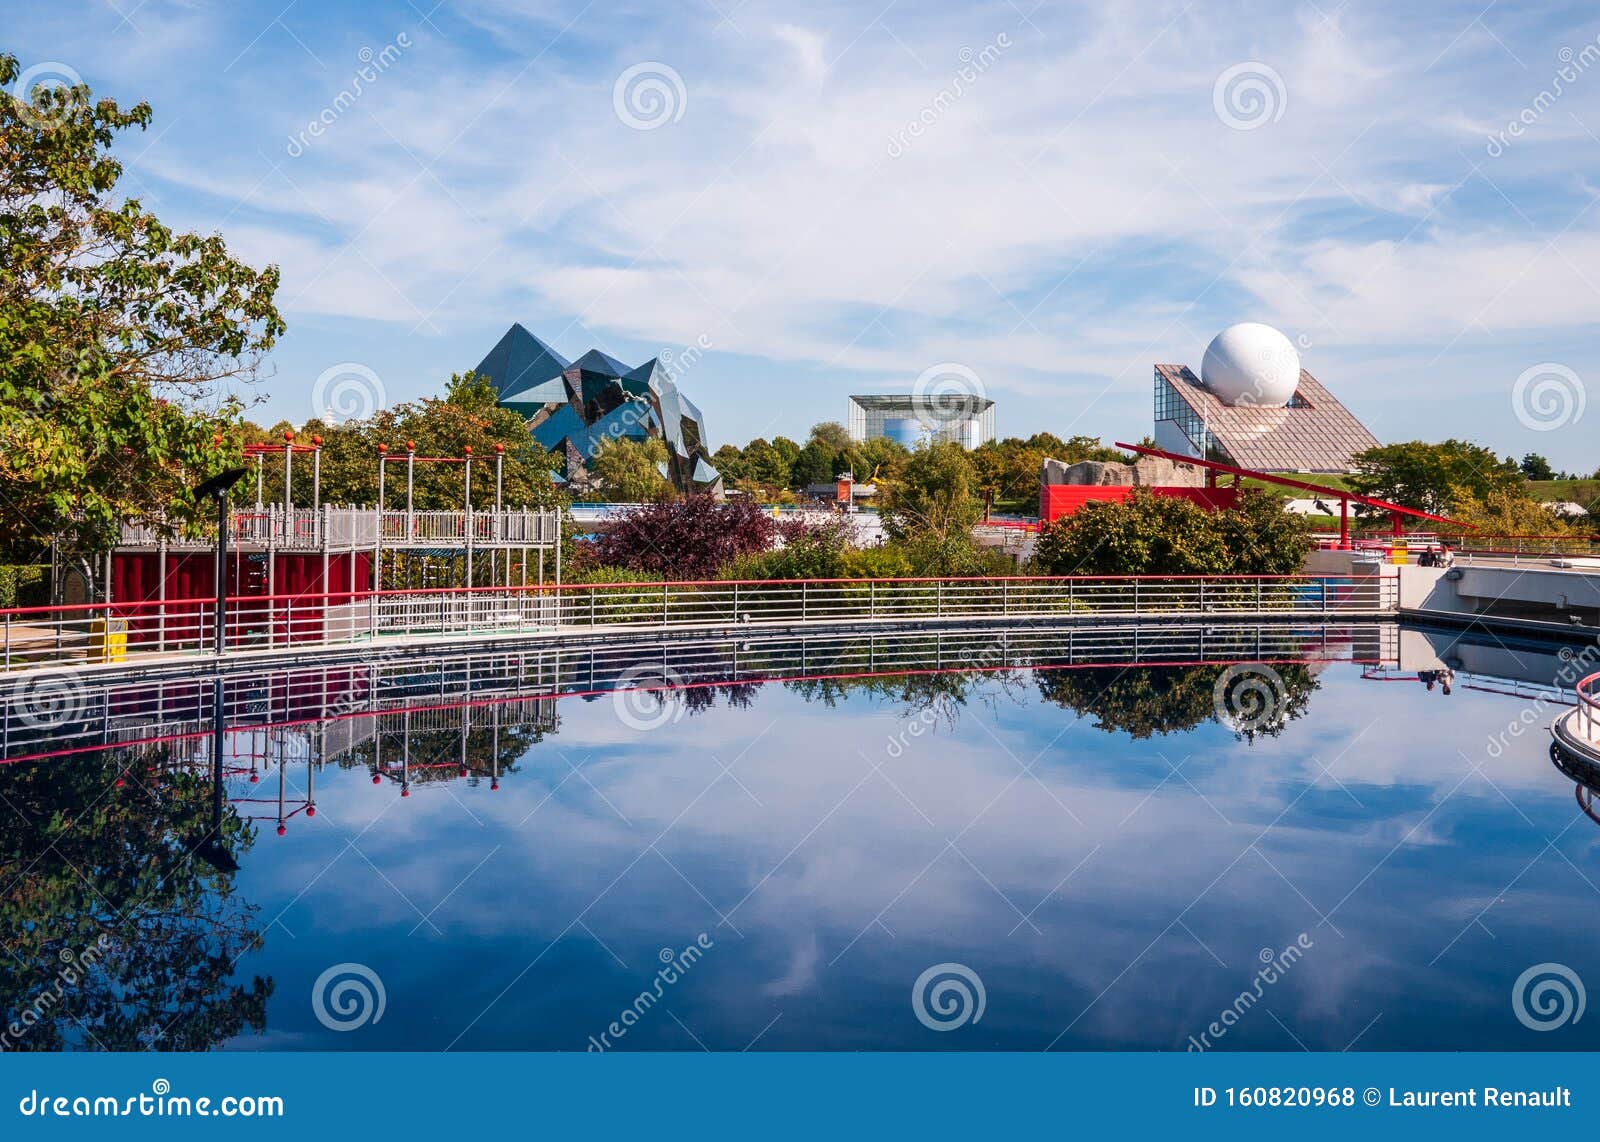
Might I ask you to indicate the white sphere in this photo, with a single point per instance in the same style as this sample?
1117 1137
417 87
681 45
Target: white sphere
1251 364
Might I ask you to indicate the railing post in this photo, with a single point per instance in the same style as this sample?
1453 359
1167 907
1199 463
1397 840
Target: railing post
736 602
938 599
1136 583
664 604
1005 596
872 598
803 600
372 616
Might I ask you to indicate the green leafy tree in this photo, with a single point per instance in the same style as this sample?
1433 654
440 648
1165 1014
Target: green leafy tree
1536 467
1433 477
628 471
118 335
814 465
766 464
730 462
930 510
831 434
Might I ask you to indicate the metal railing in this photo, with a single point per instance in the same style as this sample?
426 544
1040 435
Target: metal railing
1585 720
345 528
100 632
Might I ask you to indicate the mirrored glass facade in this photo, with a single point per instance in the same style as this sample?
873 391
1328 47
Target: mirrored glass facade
575 407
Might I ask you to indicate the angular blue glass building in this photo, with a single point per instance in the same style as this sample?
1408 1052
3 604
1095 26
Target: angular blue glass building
574 407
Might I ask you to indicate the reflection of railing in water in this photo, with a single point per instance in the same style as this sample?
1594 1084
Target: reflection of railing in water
44 636
319 699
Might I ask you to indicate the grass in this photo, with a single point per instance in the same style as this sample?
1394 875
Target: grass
1577 491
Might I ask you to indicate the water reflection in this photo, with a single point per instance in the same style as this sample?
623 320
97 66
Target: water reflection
1092 819
119 939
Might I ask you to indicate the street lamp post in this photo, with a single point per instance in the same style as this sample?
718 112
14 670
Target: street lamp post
217 488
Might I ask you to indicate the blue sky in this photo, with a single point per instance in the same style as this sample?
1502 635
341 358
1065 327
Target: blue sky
1104 187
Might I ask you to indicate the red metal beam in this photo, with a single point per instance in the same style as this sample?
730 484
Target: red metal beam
1285 481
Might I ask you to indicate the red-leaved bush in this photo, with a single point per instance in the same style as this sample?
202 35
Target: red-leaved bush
690 538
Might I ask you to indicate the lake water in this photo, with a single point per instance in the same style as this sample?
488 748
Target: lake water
1085 839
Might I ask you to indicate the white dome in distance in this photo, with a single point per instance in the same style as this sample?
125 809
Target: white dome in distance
1251 364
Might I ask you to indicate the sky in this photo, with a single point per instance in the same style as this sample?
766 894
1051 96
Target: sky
800 202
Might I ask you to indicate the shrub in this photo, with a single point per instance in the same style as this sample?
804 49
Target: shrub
1167 535
691 538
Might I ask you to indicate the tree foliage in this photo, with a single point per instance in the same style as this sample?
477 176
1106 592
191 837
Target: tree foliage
1145 701
467 416
118 336
1434 477
629 471
1148 534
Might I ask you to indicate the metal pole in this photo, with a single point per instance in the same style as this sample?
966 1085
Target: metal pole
411 468
288 471
377 531
316 473
222 587
261 458
467 518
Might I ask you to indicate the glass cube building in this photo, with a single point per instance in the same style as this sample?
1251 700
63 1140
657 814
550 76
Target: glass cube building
574 407
963 418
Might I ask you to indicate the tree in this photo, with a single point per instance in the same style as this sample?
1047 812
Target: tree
1433 477
1148 534
814 465
730 462
467 416
831 434
628 470
930 510
765 464
1536 467
1506 513
118 336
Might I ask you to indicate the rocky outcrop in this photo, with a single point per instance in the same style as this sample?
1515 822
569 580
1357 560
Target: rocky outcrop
1147 471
